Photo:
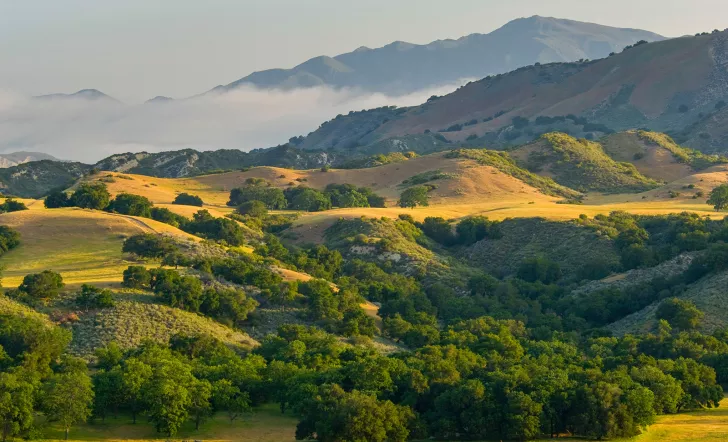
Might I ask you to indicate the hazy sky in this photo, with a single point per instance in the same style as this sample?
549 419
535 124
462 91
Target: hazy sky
137 49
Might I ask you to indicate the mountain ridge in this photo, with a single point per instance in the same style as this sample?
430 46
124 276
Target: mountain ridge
404 67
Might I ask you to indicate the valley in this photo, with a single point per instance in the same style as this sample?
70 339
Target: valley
541 254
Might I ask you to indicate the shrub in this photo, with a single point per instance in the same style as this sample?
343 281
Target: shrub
11 205
539 269
218 229
186 199
520 122
9 239
164 215
93 297
439 229
476 228
680 314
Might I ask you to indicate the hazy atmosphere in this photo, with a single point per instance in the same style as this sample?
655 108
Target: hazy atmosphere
380 221
136 50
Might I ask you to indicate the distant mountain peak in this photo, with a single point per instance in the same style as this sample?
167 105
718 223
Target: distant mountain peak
160 99
87 94
401 67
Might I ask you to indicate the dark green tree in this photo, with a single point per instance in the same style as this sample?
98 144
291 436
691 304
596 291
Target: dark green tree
415 196
91 196
718 197
683 315
148 245
254 208
67 398
136 277
128 204
186 199
42 286
16 405
56 200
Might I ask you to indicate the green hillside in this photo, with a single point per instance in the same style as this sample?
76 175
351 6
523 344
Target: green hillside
580 164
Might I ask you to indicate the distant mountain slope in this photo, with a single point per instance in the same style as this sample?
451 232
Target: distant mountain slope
678 86
16 158
87 94
189 162
37 178
402 67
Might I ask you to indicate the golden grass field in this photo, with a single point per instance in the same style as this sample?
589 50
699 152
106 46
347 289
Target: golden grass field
84 246
265 424
698 426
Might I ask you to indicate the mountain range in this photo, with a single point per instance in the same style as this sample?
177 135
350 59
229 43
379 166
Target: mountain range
678 86
400 67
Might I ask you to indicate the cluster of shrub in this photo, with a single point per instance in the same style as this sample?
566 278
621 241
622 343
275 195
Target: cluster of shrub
44 287
230 306
304 198
467 232
338 311
96 196
12 205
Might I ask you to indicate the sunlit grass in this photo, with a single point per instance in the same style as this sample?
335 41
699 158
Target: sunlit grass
265 424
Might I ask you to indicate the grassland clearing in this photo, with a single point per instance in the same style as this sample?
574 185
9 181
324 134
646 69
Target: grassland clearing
264 424
83 245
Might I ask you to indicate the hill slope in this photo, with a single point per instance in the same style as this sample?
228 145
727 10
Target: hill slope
16 158
664 86
580 164
402 67
35 179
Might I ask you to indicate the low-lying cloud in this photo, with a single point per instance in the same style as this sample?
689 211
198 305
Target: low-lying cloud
246 118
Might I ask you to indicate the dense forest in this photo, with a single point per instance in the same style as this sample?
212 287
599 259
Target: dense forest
475 355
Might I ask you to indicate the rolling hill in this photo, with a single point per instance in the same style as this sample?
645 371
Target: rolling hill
679 86
402 67
580 164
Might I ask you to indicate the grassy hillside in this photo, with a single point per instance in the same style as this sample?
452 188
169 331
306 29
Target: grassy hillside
708 295
580 164
504 163
84 246
136 317
570 245
463 177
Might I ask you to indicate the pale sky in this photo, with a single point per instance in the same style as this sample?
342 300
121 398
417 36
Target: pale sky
137 49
